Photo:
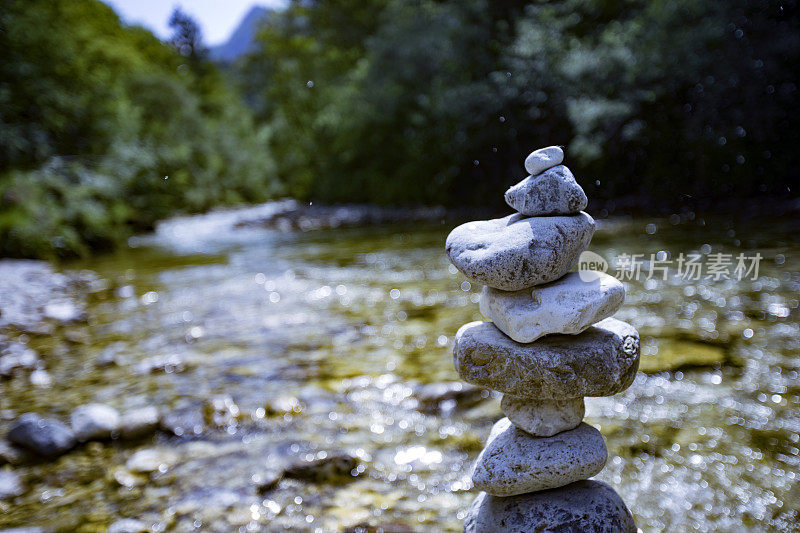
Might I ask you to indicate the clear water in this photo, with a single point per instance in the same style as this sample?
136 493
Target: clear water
349 322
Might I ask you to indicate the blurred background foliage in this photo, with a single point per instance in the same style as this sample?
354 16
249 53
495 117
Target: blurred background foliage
104 129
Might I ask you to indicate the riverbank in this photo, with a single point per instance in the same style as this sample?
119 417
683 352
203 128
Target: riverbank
288 215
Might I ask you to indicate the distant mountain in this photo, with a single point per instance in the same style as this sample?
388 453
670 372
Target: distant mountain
243 37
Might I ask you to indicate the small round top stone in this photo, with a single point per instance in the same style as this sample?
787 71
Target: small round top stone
542 159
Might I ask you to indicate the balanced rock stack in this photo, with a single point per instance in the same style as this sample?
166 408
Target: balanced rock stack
550 343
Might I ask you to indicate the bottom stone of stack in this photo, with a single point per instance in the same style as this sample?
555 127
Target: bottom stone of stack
543 418
515 462
586 506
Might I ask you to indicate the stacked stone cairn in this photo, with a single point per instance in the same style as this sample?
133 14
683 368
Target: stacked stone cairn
550 343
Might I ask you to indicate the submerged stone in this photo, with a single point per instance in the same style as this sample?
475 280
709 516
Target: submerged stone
128 525
553 192
516 252
587 505
45 436
94 421
330 468
601 361
10 484
139 422
448 395
568 305
515 462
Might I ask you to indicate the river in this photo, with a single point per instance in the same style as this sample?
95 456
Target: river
264 346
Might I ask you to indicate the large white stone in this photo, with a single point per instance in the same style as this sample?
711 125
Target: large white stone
514 462
543 418
516 252
601 361
553 192
567 305
583 506
540 160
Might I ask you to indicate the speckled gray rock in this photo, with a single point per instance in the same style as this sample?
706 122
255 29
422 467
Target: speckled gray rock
516 252
44 436
514 462
601 361
94 421
567 305
543 418
553 192
540 160
584 506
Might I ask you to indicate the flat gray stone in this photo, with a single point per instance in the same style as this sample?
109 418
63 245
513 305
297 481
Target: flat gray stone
543 418
601 361
516 252
553 192
584 506
568 305
540 160
514 462
94 421
45 436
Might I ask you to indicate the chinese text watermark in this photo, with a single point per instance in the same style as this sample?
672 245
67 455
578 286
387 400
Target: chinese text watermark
687 267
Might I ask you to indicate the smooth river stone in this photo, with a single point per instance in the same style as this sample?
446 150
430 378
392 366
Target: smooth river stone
543 418
94 421
540 160
587 505
601 361
553 192
516 252
568 305
515 462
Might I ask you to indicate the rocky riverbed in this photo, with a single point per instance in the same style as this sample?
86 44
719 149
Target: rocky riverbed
301 380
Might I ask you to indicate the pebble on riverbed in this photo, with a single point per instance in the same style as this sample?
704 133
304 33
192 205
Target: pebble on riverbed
221 412
266 481
45 436
13 455
16 355
448 395
151 460
324 467
10 484
95 421
139 422
128 525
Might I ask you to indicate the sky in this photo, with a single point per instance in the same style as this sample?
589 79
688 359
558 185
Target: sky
217 18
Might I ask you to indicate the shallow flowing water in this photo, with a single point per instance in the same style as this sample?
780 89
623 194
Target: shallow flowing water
342 326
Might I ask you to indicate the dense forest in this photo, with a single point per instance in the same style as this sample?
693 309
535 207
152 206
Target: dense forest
104 129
